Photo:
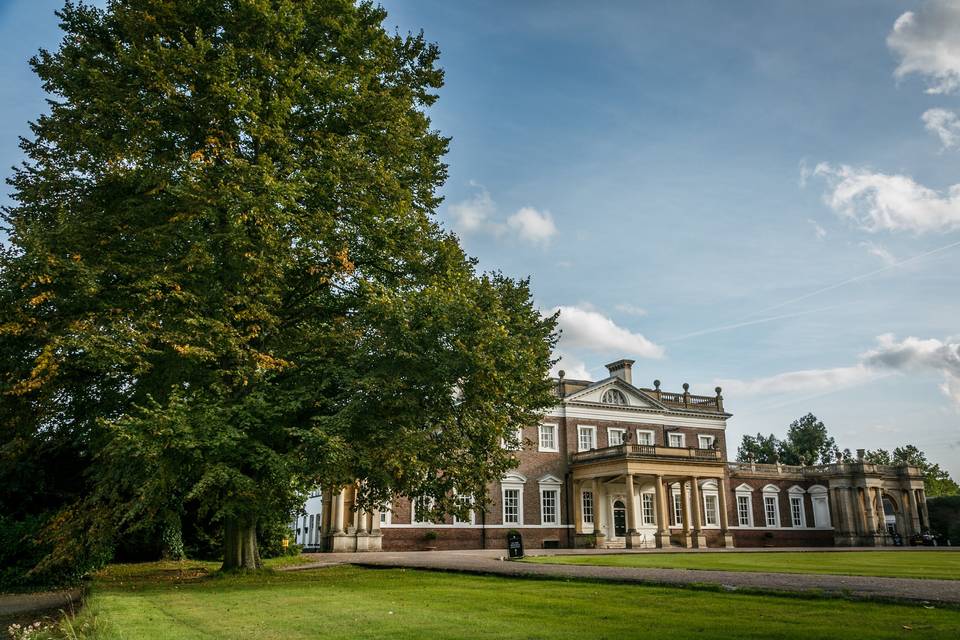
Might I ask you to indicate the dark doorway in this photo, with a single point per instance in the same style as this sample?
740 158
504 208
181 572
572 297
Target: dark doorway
619 519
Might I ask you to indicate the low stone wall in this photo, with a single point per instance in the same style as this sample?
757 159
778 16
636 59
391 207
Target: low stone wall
414 539
782 538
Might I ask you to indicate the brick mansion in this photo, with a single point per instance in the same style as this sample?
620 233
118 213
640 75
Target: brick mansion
615 465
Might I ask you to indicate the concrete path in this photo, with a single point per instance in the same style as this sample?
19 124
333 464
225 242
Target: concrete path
490 562
12 604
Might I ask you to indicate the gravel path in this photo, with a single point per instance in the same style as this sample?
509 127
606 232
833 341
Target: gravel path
489 562
12 604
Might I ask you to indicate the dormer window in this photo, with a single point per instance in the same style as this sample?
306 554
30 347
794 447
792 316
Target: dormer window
613 396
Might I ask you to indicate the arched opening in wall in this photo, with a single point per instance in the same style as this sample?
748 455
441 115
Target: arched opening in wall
890 512
619 519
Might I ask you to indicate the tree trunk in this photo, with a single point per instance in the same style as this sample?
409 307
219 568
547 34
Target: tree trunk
172 537
240 546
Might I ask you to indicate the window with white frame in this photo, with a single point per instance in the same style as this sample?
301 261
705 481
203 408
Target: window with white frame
704 442
676 440
466 501
419 509
550 500
645 437
587 506
646 508
796 510
512 498
744 509
511 506
771 506
548 437
677 509
615 436
586 438
385 514
613 396
711 514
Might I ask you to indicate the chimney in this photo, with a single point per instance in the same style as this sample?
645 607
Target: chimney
621 369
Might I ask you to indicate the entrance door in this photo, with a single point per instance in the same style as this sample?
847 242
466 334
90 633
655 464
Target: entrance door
619 519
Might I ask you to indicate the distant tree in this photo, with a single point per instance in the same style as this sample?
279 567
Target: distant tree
936 481
226 284
762 449
807 441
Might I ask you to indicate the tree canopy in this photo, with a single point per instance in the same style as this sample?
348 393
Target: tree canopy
808 442
225 282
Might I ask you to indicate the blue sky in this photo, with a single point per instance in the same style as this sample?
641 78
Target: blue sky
758 198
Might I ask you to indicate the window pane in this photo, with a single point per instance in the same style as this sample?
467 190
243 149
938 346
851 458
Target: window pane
796 510
710 510
548 506
586 438
770 508
647 508
676 439
644 437
588 507
511 506
677 510
548 436
743 510
615 437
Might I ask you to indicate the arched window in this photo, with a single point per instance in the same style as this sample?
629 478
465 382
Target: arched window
613 396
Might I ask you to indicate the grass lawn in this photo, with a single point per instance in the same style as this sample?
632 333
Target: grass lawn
182 601
898 564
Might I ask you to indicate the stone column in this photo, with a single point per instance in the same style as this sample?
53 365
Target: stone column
338 514
724 517
375 522
870 516
914 512
922 498
599 530
685 511
633 538
663 527
577 508
698 537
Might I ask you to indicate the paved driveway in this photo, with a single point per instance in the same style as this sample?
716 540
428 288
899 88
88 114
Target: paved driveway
490 562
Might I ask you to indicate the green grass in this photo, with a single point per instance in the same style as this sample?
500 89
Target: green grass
181 600
898 564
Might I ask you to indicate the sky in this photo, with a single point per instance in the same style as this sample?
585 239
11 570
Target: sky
758 195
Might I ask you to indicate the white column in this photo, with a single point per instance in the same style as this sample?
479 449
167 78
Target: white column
663 527
698 537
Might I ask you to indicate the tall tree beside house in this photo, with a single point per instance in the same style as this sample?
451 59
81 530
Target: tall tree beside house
226 283
807 442
936 481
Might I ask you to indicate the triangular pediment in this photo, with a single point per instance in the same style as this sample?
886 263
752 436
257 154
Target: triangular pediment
605 392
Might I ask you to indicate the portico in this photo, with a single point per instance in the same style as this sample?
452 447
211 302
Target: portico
650 496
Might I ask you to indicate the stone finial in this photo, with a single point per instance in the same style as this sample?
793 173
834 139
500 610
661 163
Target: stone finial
562 373
718 390
686 387
656 384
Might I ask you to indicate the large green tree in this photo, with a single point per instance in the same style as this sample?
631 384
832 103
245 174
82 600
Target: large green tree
936 481
226 284
807 442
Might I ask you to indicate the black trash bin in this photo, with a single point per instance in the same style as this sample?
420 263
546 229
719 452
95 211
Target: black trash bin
515 544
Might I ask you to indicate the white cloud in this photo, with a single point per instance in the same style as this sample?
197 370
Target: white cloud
534 226
630 309
477 214
881 202
944 124
572 367
804 381
915 354
928 43
590 330
820 232
878 250
473 214
889 356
